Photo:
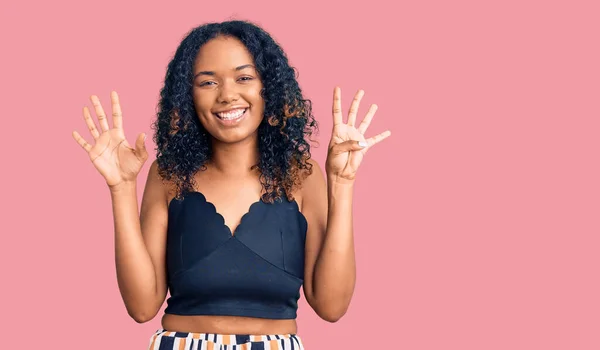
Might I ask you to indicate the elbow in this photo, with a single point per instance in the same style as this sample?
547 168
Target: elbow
141 316
330 307
141 319
142 308
332 316
330 312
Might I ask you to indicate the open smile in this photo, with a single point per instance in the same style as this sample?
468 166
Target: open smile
232 116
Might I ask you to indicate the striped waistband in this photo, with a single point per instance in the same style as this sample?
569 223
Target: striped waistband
167 340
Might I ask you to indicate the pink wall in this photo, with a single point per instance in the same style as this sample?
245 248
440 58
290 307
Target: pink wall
476 221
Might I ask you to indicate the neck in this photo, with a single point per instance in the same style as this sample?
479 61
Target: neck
235 158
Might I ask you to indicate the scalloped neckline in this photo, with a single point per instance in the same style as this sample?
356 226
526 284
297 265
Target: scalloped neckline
235 232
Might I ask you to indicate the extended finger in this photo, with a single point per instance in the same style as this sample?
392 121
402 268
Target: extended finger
337 106
378 138
116 110
81 141
367 120
354 107
90 123
99 113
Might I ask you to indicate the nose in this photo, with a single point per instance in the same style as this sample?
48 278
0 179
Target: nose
227 93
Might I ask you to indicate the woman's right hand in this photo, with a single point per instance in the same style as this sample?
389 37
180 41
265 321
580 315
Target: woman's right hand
111 154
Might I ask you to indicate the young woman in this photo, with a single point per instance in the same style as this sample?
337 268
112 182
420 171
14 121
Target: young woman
235 215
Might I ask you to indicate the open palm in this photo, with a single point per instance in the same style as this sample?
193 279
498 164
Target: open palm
111 154
348 144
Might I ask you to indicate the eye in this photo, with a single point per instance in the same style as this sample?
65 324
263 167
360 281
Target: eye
246 78
205 83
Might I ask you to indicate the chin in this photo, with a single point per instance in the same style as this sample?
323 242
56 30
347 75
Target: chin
244 131
233 136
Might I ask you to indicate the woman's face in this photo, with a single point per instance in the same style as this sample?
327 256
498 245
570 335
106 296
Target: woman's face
227 90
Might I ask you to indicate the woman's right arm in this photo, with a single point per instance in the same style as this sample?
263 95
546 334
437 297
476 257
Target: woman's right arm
140 245
140 238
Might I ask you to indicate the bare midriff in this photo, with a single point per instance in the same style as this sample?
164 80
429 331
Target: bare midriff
227 325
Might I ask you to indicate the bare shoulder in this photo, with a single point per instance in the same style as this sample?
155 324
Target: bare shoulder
313 187
316 177
158 189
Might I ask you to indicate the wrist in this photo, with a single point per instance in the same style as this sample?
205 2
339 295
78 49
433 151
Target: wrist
335 180
338 188
123 186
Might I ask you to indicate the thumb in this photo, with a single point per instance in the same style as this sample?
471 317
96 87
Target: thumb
348 146
140 146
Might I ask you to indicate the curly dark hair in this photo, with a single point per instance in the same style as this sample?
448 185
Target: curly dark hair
184 146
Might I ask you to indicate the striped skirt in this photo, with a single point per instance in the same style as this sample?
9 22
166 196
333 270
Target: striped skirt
166 340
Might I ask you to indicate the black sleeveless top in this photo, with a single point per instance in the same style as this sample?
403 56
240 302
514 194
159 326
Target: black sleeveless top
256 272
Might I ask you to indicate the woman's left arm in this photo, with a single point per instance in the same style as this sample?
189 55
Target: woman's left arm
330 270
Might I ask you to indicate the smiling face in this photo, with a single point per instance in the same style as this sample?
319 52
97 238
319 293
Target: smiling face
227 90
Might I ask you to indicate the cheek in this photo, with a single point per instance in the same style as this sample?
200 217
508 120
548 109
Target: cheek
257 99
202 101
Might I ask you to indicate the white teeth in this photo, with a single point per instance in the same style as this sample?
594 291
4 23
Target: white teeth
232 114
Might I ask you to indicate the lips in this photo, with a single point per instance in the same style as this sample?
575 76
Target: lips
231 114
231 117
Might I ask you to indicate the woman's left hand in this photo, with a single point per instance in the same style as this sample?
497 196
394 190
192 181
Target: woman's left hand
348 144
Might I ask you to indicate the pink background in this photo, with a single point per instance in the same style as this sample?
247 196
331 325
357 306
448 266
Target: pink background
476 221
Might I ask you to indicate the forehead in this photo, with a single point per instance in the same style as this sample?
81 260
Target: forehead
222 53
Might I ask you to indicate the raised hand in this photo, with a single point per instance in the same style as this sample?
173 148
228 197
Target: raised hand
348 144
111 154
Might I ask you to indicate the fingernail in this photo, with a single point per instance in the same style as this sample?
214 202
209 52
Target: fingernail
363 144
145 137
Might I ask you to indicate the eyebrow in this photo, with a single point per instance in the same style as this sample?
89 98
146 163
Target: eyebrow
206 72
